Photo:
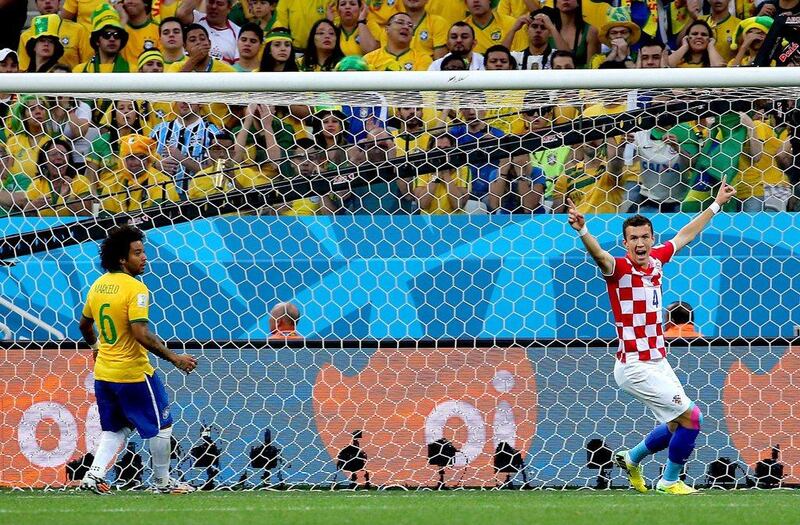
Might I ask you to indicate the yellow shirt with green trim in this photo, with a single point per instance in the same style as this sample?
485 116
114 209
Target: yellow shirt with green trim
410 60
451 10
406 143
83 10
592 189
302 207
299 16
724 33
754 175
25 151
115 300
139 39
73 37
86 67
380 11
120 192
495 31
430 34
41 187
517 8
349 42
440 204
208 182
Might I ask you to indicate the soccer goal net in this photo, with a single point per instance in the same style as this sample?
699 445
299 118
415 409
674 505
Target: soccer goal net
452 331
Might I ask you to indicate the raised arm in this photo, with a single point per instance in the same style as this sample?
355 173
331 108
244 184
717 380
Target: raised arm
690 231
603 259
183 362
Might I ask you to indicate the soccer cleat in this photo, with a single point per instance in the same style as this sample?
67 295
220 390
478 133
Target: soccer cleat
173 486
679 488
634 472
95 484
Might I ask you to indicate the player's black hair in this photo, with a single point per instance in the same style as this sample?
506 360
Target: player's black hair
637 220
117 246
680 313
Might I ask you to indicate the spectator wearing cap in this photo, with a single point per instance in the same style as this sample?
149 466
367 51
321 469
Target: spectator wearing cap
9 63
541 30
461 43
224 174
398 55
44 48
108 39
249 44
259 12
81 11
618 35
222 32
143 34
73 37
170 32
749 37
491 27
298 16
150 61
137 183
680 321
357 36
322 51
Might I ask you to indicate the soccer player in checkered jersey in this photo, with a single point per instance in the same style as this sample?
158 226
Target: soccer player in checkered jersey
641 368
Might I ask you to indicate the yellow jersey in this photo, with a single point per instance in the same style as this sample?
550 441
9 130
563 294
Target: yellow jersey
120 192
430 34
56 202
440 204
410 60
592 189
116 300
517 8
495 31
303 207
83 10
380 11
349 42
724 33
406 143
753 176
73 37
25 150
451 10
208 181
299 16
140 39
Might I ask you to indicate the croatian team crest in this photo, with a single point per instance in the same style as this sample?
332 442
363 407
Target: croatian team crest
496 35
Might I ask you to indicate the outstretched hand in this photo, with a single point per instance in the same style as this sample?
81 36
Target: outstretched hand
185 363
725 193
574 217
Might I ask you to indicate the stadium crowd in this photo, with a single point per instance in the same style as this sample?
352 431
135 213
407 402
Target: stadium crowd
66 156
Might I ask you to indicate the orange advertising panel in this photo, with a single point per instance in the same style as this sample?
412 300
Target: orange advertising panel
405 399
46 396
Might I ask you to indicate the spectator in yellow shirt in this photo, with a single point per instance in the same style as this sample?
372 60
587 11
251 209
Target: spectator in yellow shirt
137 184
357 35
444 191
380 11
322 49
143 33
56 189
44 48
224 174
518 8
593 183
305 161
81 11
298 16
30 126
73 36
398 55
108 39
491 27
430 31
451 11
410 135
750 35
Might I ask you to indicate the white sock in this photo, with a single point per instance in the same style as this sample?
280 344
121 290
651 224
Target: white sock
110 443
160 451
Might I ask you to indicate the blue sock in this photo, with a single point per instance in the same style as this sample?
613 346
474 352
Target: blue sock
681 447
656 441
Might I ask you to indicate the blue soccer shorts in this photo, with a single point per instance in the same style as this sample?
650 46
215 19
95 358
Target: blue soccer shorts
143 406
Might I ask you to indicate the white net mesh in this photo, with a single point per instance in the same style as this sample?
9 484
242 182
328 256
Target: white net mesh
404 217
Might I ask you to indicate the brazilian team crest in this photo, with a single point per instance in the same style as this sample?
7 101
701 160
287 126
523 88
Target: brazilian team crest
65 41
390 3
408 66
149 44
423 35
496 35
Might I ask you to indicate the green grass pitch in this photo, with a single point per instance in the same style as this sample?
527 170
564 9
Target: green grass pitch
394 508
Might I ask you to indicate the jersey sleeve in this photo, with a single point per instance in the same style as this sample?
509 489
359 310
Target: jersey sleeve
664 252
139 304
621 267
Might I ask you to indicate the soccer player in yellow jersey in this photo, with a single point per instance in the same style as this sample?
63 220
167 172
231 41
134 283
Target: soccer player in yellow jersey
491 27
128 391
398 55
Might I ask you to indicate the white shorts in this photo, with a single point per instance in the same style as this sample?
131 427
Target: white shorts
655 384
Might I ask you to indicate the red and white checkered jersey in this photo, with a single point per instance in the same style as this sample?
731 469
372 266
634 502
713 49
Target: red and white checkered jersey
635 295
